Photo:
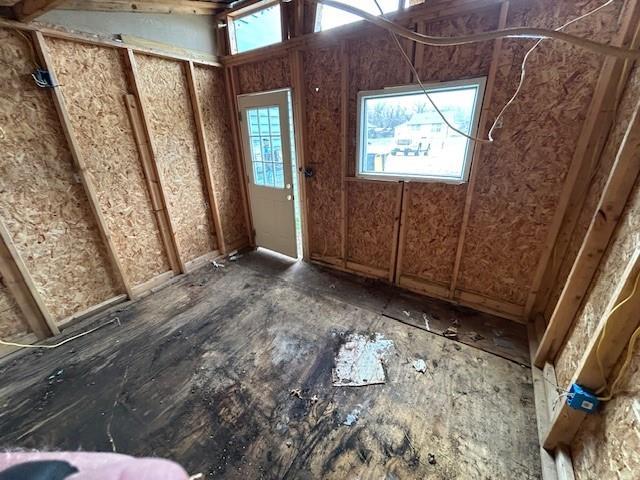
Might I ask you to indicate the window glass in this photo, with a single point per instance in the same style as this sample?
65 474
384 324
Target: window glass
402 135
266 146
256 29
329 17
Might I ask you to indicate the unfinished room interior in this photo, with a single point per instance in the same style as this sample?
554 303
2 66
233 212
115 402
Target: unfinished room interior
319 239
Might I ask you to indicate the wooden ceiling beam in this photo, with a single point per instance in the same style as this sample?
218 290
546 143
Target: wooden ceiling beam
191 7
27 10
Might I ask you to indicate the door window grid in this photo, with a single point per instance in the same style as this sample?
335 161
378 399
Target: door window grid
266 146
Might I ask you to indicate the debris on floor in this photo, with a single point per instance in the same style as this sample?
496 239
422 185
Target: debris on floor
451 332
431 458
426 321
296 392
359 361
216 264
420 365
352 417
407 313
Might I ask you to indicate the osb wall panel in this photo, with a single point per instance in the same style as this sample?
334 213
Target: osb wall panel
42 203
93 84
520 177
12 322
374 63
608 444
172 125
263 76
441 64
321 69
600 175
626 240
432 225
226 178
434 210
371 209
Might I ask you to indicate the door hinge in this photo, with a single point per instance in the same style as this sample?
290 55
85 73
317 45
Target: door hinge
253 233
239 117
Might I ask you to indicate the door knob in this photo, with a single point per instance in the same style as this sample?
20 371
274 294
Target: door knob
289 197
288 186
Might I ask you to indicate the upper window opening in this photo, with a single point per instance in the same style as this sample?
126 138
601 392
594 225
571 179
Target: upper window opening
255 28
401 135
329 17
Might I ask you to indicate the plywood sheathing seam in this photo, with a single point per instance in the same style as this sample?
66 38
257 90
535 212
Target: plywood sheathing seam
432 224
371 209
226 178
93 83
172 125
434 211
42 202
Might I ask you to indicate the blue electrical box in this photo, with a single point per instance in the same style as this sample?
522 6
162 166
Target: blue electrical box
580 398
43 78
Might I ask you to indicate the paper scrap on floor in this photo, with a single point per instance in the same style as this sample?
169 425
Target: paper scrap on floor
359 361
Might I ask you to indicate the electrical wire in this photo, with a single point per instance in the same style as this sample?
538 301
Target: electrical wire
630 347
59 344
424 89
34 57
511 32
524 65
490 138
624 367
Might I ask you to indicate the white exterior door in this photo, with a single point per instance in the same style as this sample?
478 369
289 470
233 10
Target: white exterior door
266 146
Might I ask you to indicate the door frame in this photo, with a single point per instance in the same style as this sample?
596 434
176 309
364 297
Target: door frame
295 140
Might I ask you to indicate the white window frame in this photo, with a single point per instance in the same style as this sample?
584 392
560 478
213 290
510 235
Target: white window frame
243 12
480 82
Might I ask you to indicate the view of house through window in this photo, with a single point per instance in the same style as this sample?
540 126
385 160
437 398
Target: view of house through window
329 17
256 29
403 136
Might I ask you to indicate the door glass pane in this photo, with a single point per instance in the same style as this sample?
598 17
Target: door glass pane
258 171
279 174
266 146
268 174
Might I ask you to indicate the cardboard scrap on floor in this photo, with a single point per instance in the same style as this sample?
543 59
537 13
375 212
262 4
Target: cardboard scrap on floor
359 361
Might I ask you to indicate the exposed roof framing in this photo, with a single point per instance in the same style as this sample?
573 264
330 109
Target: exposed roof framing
27 10
193 7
